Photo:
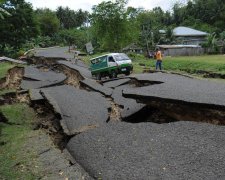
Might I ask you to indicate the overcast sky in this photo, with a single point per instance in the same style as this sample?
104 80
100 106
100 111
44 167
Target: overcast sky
87 4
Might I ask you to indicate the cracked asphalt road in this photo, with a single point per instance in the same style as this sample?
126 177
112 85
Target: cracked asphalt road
123 150
181 150
181 89
78 108
36 78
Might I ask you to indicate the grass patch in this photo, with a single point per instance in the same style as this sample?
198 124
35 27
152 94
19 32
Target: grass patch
189 64
15 162
4 67
5 91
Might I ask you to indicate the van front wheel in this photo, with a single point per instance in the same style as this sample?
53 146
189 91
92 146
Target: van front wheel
98 76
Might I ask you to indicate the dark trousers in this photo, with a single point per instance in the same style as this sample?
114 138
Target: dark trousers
158 64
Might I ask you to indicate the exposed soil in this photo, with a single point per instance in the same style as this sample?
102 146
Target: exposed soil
181 112
150 114
142 83
43 60
50 122
114 111
13 78
73 76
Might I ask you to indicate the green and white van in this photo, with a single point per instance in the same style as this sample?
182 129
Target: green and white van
111 65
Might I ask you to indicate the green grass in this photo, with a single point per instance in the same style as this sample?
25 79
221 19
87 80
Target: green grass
190 64
4 67
15 162
5 91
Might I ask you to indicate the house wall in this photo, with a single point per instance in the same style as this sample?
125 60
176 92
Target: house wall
183 51
191 40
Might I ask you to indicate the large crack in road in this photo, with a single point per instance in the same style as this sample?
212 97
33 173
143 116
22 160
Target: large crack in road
113 137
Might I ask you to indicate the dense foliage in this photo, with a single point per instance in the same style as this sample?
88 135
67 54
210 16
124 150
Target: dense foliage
110 27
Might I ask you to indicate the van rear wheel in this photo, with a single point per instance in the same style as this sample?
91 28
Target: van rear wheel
127 73
98 76
113 74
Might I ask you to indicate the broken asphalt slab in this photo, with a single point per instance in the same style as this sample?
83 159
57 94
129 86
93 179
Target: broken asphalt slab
36 78
128 106
181 150
35 95
34 73
117 82
11 60
58 53
179 89
80 110
92 84
54 52
84 72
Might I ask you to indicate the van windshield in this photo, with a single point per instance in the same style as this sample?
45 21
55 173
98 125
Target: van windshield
121 57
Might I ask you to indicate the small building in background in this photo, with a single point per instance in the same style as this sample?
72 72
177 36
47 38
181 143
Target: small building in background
181 50
189 36
133 48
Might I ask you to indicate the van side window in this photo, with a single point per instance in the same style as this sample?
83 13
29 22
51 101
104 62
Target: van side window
111 59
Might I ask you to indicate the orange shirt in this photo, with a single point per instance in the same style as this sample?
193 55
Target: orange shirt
159 55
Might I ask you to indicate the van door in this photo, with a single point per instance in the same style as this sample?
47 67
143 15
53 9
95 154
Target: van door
111 61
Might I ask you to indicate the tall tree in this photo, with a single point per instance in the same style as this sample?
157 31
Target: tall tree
110 24
48 21
70 18
3 12
18 27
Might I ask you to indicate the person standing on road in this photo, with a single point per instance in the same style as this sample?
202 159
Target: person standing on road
158 56
75 57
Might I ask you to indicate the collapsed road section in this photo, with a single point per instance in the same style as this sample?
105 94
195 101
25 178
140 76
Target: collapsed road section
153 139
183 98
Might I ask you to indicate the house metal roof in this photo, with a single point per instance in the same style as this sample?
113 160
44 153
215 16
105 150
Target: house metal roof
185 31
178 46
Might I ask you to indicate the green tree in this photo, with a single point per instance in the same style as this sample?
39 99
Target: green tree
70 18
109 21
3 12
73 37
48 21
19 27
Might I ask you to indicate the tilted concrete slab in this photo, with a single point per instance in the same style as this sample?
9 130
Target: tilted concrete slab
35 95
179 89
92 84
85 72
129 106
80 110
36 78
11 60
116 83
58 53
53 52
181 150
33 73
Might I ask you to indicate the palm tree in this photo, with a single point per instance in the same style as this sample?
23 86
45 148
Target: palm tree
3 11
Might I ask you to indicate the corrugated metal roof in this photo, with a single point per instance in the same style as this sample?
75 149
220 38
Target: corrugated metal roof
178 46
185 31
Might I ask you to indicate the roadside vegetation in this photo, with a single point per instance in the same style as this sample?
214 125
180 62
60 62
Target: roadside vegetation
110 27
16 122
4 67
188 64
16 162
